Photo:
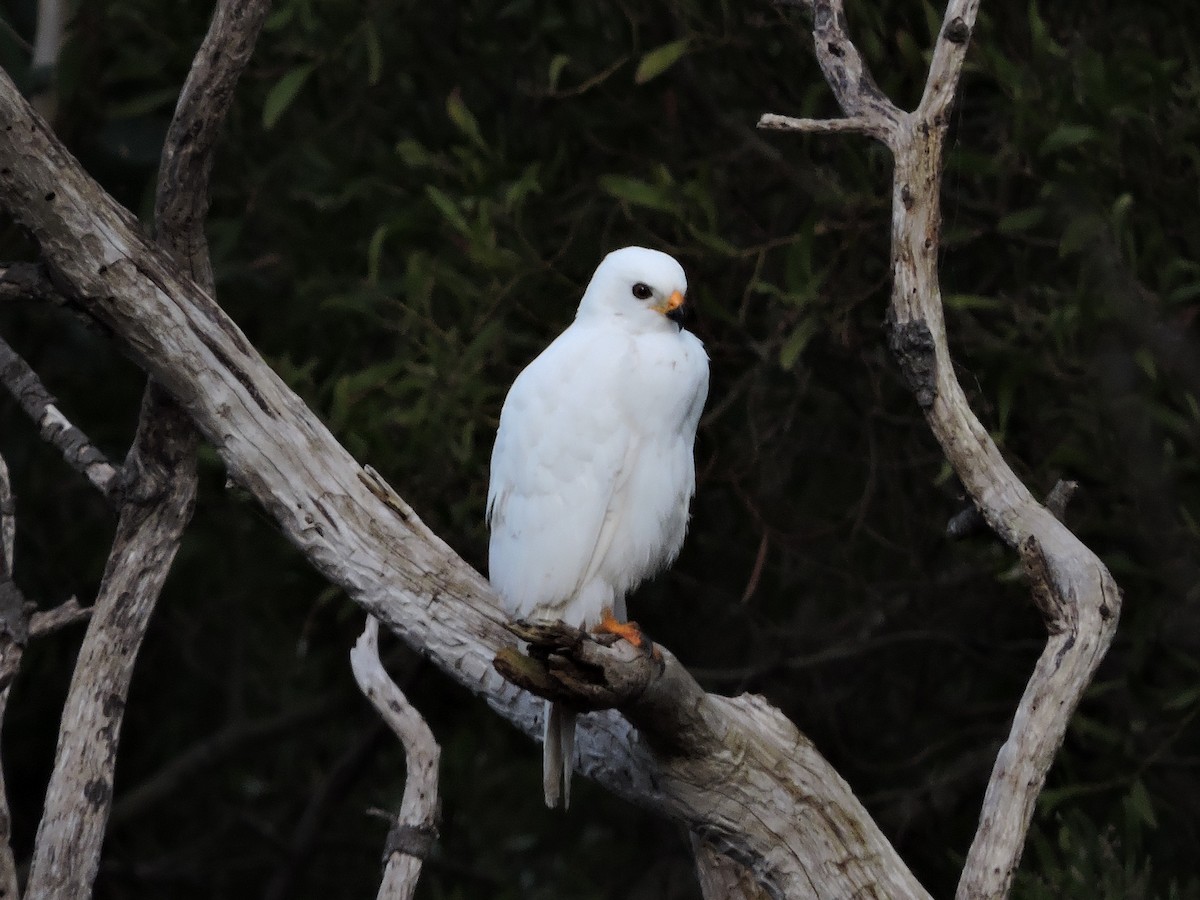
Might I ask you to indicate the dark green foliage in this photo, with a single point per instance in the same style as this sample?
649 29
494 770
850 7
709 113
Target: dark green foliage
407 204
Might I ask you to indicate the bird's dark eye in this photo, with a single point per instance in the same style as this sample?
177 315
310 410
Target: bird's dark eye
642 291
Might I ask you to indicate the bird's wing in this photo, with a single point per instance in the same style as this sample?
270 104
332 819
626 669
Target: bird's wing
560 450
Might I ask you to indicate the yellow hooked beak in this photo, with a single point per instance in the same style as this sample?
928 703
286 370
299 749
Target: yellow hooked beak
670 305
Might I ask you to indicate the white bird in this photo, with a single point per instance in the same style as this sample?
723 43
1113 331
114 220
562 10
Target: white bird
592 471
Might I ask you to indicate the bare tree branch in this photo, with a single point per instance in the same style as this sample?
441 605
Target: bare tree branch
160 479
846 72
67 850
8 521
63 615
851 124
181 204
362 537
1070 584
80 453
415 826
12 624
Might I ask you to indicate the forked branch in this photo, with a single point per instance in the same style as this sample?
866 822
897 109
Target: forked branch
1072 587
158 482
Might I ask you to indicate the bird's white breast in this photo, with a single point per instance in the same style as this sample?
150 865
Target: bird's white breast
592 471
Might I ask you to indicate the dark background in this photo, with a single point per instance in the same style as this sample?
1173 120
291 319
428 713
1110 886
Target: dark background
407 203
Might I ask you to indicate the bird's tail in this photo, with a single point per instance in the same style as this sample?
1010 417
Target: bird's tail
558 754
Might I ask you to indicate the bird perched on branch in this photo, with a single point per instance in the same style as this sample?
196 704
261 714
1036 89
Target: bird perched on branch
592 471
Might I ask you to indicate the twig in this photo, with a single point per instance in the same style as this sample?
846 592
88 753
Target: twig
80 453
968 521
51 620
852 124
867 110
1070 584
415 827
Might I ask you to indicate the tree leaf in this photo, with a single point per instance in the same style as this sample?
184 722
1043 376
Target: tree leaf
374 53
280 97
1065 137
659 60
464 119
1021 220
637 192
556 69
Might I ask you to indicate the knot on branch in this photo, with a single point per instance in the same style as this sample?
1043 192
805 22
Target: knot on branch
957 31
1060 614
410 840
569 665
913 346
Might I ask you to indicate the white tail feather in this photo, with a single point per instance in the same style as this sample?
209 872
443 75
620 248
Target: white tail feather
558 754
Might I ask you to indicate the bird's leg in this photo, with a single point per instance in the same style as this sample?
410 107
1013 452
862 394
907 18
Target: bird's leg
630 631
610 624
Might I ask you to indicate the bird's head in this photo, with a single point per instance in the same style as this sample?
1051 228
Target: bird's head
645 288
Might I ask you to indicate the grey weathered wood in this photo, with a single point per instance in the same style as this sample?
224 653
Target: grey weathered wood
1074 590
79 795
80 453
158 487
415 825
11 648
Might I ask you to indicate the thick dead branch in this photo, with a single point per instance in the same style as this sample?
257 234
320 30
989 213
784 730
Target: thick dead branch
414 828
775 785
67 850
79 452
159 477
701 740
1070 584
